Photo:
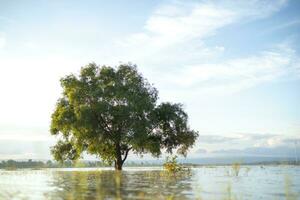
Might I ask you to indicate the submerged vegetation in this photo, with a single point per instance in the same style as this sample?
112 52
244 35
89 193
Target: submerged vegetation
172 165
173 169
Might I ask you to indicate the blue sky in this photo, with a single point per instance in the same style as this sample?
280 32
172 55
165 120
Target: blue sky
234 64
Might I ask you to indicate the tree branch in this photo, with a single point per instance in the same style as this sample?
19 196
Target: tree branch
104 126
126 154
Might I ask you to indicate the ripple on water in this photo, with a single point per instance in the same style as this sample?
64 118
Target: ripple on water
253 182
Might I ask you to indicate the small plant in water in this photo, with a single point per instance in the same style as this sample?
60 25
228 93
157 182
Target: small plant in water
236 168
172 165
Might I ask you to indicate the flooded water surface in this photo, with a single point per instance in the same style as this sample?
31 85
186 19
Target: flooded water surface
221 182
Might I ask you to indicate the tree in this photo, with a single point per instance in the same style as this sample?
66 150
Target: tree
109 112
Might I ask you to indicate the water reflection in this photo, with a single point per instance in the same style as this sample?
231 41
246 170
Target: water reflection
118 185
253 182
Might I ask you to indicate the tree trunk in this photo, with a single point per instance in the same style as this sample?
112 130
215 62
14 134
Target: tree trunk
118 160
118 165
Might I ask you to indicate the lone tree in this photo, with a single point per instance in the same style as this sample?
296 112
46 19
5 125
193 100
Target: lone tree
109 112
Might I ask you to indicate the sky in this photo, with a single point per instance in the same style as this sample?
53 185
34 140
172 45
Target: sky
235 65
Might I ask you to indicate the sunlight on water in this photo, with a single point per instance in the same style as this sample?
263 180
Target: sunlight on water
253 182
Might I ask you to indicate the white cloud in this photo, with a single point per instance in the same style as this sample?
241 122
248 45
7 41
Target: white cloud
26 135
234 75
176 24
285 25
200 22
253 9
181 22
30 87
174 38
253 143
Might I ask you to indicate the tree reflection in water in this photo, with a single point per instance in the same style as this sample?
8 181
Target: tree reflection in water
109 184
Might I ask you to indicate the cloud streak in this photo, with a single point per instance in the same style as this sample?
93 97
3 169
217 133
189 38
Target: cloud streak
258 145
178 22
254 138
235 75
174 38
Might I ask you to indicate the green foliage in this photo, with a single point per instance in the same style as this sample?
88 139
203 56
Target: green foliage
109 111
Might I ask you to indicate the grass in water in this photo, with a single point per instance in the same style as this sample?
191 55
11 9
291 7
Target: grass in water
236 168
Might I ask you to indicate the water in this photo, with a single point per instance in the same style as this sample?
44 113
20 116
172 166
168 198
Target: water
253 182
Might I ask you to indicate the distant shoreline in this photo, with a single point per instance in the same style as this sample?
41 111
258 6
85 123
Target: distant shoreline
30 164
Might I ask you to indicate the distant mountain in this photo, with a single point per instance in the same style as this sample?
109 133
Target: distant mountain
248 155
278 151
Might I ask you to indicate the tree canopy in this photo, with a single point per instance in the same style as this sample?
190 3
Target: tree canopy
109 112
